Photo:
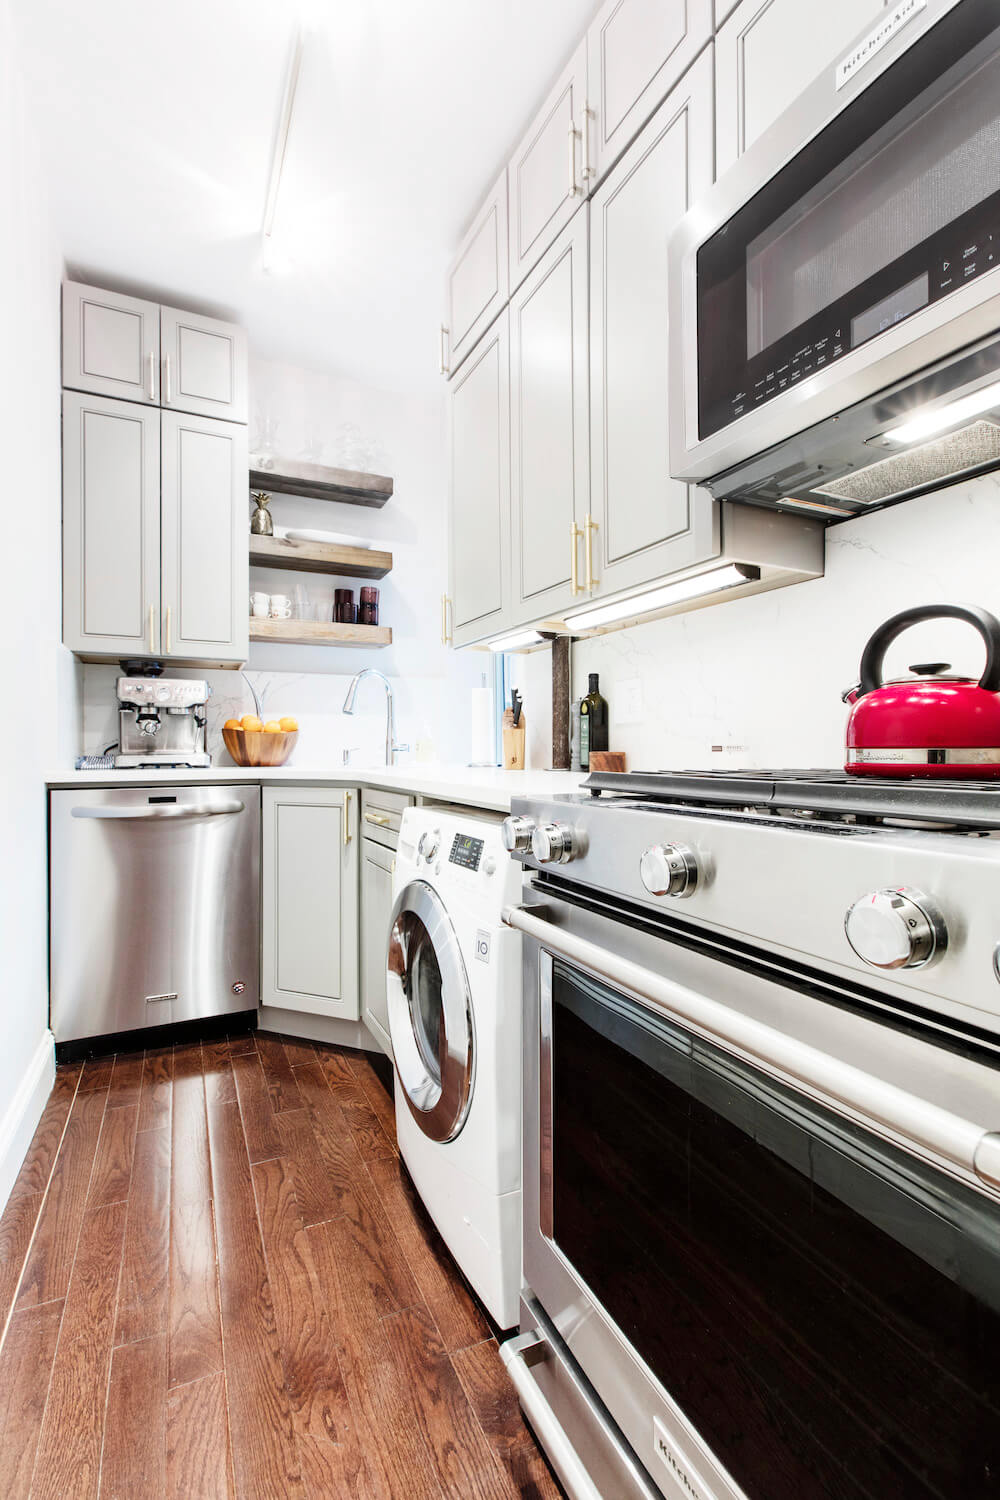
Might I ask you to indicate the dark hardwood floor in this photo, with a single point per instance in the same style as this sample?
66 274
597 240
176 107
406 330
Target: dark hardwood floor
216 1280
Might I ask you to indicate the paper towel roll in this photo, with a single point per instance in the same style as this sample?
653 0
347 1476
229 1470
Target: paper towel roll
482 746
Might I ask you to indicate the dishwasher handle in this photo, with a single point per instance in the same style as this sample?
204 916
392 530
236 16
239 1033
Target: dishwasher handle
139 813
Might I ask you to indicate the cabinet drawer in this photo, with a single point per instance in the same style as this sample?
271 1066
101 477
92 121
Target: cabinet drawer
381 815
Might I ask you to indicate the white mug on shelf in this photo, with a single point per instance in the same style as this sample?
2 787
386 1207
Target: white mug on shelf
260 606
281 607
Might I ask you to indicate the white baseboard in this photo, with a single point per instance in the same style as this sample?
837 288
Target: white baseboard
317 1028
24 1112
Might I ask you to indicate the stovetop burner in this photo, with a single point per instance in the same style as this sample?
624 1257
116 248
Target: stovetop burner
964 804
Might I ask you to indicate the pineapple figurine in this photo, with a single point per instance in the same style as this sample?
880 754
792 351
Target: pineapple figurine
261 523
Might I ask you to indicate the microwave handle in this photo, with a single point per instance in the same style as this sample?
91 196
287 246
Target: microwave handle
884 1108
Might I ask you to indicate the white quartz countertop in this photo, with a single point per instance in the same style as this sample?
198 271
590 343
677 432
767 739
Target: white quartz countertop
471 786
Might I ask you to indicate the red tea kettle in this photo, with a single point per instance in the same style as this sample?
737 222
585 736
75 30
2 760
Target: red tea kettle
930 724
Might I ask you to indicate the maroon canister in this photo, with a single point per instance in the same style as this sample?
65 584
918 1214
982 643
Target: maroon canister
368 609
344 611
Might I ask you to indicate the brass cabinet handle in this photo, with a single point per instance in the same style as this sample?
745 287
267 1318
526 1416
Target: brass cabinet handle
379 818
167 648
447 636
152 376
152 628
442 356
347 819
589 527
575 533
166 380
574 188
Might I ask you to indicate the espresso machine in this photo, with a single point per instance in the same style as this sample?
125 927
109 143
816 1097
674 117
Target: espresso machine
161 721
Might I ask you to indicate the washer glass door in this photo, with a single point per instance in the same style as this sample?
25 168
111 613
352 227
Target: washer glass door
430 1012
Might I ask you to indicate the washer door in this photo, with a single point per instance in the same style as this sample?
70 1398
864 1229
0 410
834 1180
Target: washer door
430 1012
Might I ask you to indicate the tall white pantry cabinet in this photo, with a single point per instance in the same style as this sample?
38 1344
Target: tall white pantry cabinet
155 473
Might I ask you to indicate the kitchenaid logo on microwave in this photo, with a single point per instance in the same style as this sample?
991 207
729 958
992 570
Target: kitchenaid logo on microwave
877 39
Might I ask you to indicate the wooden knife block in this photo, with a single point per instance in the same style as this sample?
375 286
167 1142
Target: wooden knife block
513 742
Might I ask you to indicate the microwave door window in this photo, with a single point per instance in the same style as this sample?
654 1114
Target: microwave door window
823 1308
894 205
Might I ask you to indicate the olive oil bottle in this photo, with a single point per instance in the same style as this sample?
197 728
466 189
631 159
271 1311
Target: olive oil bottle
593 723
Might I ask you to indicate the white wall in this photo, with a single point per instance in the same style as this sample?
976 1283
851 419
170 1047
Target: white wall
762 676
304 413
38 675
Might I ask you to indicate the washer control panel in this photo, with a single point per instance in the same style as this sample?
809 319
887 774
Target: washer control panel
466 851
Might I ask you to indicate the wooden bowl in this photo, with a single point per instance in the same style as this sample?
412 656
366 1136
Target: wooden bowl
250 748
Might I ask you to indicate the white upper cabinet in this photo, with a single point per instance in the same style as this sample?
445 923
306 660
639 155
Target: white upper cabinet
550 458
548 173
767 52
111 526
204 365
648 524
110 344
204 556
636 52
478 282
479 416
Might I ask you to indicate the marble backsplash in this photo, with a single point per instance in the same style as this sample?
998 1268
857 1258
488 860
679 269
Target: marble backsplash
431 718
761 678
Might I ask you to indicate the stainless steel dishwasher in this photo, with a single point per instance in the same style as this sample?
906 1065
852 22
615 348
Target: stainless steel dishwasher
154 906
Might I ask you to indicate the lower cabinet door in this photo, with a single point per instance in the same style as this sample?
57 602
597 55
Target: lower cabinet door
309 912
377 865
205 555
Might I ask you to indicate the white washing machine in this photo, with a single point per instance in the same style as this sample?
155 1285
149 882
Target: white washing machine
454 993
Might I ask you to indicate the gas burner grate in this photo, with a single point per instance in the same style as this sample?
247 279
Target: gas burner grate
964 804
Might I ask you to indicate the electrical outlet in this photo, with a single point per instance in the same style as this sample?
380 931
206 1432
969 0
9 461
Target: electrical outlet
628 701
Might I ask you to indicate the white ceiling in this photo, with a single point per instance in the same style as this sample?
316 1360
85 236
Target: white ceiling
158 125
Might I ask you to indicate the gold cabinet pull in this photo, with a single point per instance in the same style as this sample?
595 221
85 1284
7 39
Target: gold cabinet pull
575 533
442 352
378 818
589 527
167 647
347 819
447 636
574 187
152 629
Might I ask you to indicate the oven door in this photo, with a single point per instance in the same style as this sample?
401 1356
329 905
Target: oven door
430 1012
779 1272
855 244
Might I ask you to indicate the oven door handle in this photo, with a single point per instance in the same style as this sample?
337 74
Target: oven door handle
883 1107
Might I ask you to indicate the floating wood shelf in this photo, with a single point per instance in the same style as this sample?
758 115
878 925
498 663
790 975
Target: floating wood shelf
319 557
319 633
317 482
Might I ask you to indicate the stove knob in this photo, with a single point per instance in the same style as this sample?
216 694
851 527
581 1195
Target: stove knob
551 842
516 833
897 928
427 844
669 870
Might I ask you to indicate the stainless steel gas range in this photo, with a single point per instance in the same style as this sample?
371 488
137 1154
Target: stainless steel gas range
762 1137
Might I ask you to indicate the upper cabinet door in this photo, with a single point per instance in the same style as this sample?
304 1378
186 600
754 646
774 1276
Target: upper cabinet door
111 526
205 547
478 283
766 54
636 52
648 524
204 365
546 177
110 344
550 458
479 412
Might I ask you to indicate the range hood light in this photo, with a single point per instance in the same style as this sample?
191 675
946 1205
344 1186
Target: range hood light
517 642
731 576
925 424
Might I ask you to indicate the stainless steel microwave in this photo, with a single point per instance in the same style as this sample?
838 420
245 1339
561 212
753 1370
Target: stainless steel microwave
837 293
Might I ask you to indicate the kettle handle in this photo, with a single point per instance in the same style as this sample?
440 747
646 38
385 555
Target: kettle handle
988 626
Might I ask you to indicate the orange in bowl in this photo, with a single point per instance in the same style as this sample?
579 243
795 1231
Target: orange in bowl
250 724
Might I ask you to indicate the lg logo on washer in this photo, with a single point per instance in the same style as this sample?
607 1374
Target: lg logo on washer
483 946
